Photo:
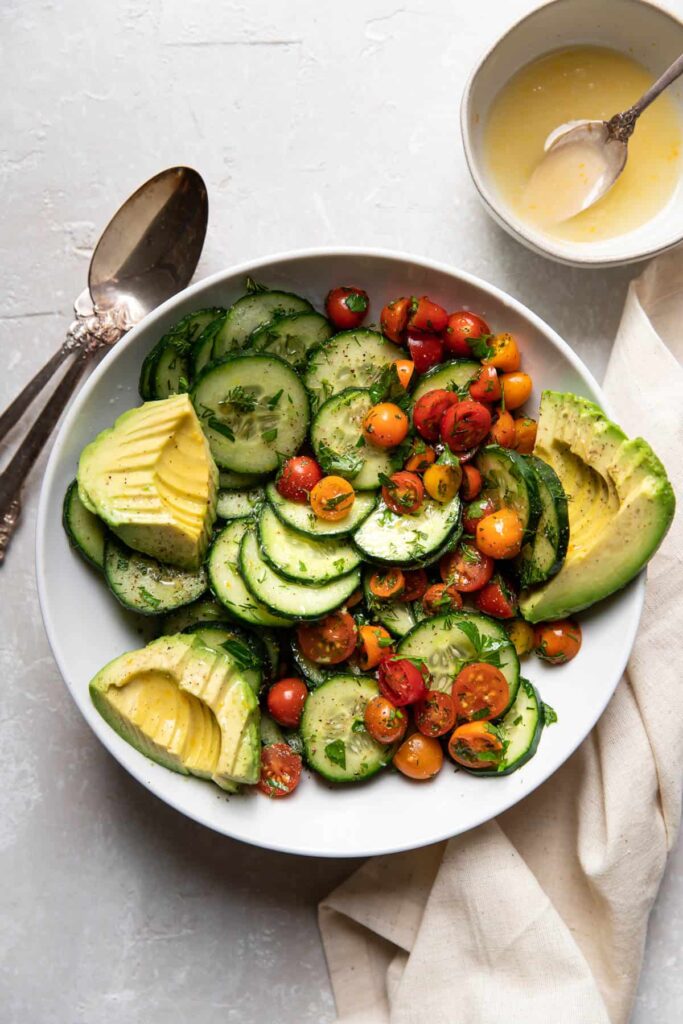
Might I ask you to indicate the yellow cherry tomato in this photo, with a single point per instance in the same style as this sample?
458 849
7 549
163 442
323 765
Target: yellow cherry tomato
505 355
385 426
522 636
404 370
500 534
442 482
332 498
516 389
419 757
525 435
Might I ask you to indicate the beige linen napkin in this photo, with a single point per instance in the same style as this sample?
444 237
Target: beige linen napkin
540 916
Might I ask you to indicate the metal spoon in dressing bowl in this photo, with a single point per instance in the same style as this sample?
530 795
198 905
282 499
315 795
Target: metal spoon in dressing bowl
583 159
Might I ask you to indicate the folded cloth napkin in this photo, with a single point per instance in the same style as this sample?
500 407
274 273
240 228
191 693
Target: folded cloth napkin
573 870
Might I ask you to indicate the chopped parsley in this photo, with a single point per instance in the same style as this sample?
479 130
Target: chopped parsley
336 753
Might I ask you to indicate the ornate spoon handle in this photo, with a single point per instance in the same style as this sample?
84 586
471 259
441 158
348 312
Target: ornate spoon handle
621 126
16 409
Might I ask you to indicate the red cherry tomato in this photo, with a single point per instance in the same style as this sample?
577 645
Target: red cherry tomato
385 722
471 483
435 715
428 412
486 388
394 320
299 476
466 569
329 641
425 353
401 681
497 598
476 510
416 584
426 317
480 692
286 700
462 328
440 599
280 770
557 642
465 425
404 493
346 307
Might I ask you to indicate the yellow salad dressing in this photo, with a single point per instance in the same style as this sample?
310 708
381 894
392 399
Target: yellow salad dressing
567 85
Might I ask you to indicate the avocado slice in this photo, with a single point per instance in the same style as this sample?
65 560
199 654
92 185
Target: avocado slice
621 504
189 708
153 481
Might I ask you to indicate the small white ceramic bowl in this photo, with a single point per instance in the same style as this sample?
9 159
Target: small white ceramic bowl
642 30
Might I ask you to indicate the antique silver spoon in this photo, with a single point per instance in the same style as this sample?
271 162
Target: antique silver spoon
148 252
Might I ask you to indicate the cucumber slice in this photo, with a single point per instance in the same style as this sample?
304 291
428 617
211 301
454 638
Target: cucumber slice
338 443
171 356
301 519
450 376
293 600
510 481
243 648
447 642
254 411
251 312
271 644
542 557
85 531
336 743
226 581
409 541
396 616
301 558
351 359
204 610
270 731
238 504
144 585
202 350
315 675
291 337
521 729
172 369
230 481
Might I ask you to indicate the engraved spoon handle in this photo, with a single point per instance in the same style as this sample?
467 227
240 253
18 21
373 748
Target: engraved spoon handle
16 409
621 126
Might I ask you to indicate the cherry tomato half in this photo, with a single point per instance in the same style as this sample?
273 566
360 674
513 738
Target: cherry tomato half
480 691
419 757
435 715
421 458
385 426
346 307
394 320
428 412
471 483
401 681
466 568
525 435
500 534
557 642
475 511
465 425
416 584
503 430
332 498
476 745
486 387
329 641
522 636
387 584
384 721
505 355
299 476
404 371
425 352
286 700
374 642
440 599
403 493
497 598
426 317
280 770
463 329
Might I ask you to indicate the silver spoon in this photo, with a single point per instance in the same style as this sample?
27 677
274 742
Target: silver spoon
148 252
609 140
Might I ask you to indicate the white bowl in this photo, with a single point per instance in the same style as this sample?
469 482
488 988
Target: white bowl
643 31
86 627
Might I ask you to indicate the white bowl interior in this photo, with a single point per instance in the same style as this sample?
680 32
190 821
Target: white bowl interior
644 32
86 627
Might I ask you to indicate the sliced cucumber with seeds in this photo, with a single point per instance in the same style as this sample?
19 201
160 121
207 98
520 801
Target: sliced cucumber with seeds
339 445
301 519
251 312
283 597
315 675
291 337
300 558
253 410
510 482
409 541
204 610
351 359
396 616
520 730
226 580
242 647
239 504
230 481
447 642
450 376
144 585
85 531
336 743
542 556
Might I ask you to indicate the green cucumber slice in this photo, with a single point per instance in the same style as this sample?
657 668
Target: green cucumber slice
251 312
338 443
146 586
300 558
336 743
171 358
202 350
409 541
510 482
239 504
315 675
542 556
85 531
230 481
521 729
450 376
301 519
396 616
351 359
204 610
291 337
226 580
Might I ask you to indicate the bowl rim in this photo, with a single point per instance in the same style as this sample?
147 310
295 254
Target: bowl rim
536 241
107 736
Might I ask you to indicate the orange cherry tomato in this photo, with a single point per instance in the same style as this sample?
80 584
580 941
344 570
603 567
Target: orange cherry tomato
480 691
516 388
387 584
419 757
332 498
421 458
435 715
476 745
525 435
442 482
385 426
500 534
385 722
466 568
403 493
505 354
557 642
330 640
394 320
405 368
471 483
522 636
286 700
374 642
486 387
439 599
503 430
416 584
280 770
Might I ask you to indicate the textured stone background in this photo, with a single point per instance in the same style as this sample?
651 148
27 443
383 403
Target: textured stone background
313 123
